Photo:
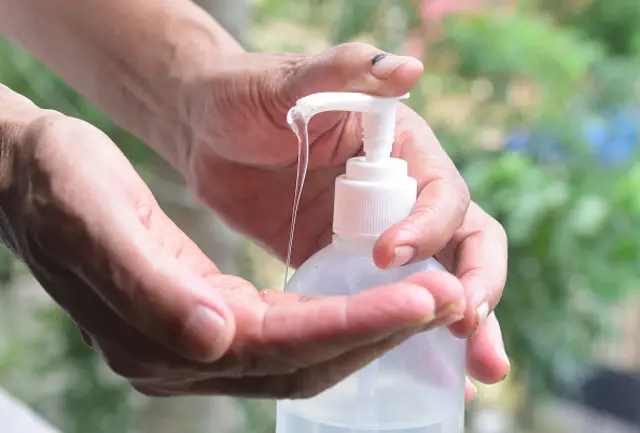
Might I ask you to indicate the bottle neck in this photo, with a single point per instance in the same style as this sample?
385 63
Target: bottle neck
371 197
363 245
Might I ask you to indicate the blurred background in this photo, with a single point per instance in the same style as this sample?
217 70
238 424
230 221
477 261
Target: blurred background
537 101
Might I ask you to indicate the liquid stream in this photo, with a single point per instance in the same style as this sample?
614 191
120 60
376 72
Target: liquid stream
299 124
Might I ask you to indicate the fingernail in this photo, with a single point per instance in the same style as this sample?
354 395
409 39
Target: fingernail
201 333
385 64
503 355
402 256
482 312
452 309
446 315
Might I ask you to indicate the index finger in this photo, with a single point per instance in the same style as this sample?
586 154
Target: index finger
307 331
442 202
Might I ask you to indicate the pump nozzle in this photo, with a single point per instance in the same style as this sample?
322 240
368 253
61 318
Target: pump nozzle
379 117
376 190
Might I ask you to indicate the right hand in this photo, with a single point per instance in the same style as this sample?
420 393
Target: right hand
248 173
155 307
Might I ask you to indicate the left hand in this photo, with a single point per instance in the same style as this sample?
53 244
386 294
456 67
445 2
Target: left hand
242 161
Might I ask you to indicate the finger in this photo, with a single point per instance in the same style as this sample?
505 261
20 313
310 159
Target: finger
442 202
487 360
102 237
313 330
479 249
154 292
353 67
303 383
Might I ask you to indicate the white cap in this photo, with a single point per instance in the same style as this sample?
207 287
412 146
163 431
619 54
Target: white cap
376 191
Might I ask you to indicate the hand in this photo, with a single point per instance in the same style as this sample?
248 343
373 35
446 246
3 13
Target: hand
243 165
152 303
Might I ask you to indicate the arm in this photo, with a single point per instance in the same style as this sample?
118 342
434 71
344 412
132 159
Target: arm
135 59
16 112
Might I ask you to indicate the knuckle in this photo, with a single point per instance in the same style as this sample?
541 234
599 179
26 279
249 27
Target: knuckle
491 226
464 194
352 47
50 125
424 213
499 231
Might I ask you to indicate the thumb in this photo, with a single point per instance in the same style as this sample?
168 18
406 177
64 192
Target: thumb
158 294
353 67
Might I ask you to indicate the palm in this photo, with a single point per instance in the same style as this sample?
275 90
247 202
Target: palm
251 177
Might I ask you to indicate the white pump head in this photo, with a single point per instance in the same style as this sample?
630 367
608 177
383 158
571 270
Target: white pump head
379 117
376 191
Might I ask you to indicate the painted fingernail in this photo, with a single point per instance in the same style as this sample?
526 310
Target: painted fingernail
482 312
201 333
385 64
402 256
375 59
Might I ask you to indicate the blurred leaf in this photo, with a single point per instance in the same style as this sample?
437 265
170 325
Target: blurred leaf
500 45
356 17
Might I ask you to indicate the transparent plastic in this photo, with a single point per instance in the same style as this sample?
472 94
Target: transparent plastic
418 387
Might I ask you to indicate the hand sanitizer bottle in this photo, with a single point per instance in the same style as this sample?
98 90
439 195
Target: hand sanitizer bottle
417 387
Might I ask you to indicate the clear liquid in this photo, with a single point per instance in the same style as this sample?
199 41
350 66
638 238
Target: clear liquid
289 421
299 124
327 413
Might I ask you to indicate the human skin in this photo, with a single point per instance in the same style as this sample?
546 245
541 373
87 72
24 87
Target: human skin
143 294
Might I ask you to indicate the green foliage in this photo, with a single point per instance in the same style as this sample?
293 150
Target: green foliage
8 266
23 74
94 400
572 227
573 251
501 45
613 23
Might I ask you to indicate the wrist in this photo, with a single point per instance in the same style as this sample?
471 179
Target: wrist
135 60
184 89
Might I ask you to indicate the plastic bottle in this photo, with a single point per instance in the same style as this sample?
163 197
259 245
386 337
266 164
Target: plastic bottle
418 387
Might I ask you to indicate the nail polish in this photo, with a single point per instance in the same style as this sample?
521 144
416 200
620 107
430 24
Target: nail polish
384 66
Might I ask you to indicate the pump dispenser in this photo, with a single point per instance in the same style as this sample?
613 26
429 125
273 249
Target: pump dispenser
418 387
